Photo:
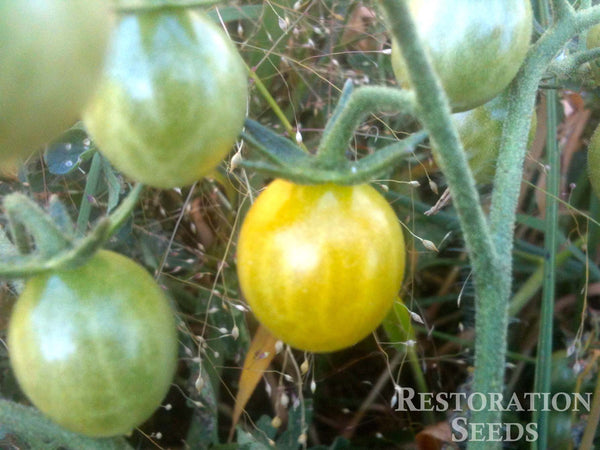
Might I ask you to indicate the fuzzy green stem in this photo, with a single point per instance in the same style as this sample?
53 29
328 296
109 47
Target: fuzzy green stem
491 314
71 254
23 214
29 425
565 67
352 110
513 146
346 173
516 127
562 9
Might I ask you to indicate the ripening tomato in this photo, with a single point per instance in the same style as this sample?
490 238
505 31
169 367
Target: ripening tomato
320 265
94 348
172 100
476 47
51 57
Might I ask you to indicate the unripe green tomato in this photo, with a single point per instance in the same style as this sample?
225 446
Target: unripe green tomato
480 131
320 265
51 57
476 46
94 348
593 41
172 100
594 161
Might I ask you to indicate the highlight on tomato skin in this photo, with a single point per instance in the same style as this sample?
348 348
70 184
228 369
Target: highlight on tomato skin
51 57
476 47
94 348
172 100
320 266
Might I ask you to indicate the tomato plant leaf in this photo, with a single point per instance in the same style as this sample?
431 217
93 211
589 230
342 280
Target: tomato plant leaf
300 416
113 184
273 146
66 153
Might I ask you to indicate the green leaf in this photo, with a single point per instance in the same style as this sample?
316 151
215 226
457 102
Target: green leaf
66 153
299 417
273 146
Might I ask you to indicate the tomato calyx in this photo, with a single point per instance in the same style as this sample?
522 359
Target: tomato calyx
56 244
280 158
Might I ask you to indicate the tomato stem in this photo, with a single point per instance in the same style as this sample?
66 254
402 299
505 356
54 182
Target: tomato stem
434 111
565 67
56 245
309 169
351 110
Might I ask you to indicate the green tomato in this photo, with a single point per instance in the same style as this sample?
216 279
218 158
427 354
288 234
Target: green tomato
320 265
172 100
51 57
476 47
94 348
480 131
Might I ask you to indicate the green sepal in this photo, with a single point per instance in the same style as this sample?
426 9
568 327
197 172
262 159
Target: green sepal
59 215
283 159
25 215
272 146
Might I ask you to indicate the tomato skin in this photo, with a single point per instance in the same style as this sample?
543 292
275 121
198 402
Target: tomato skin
51 57
172 100
476 47
320 265
480 131
94 348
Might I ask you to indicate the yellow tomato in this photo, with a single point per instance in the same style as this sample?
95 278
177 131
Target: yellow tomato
320 265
